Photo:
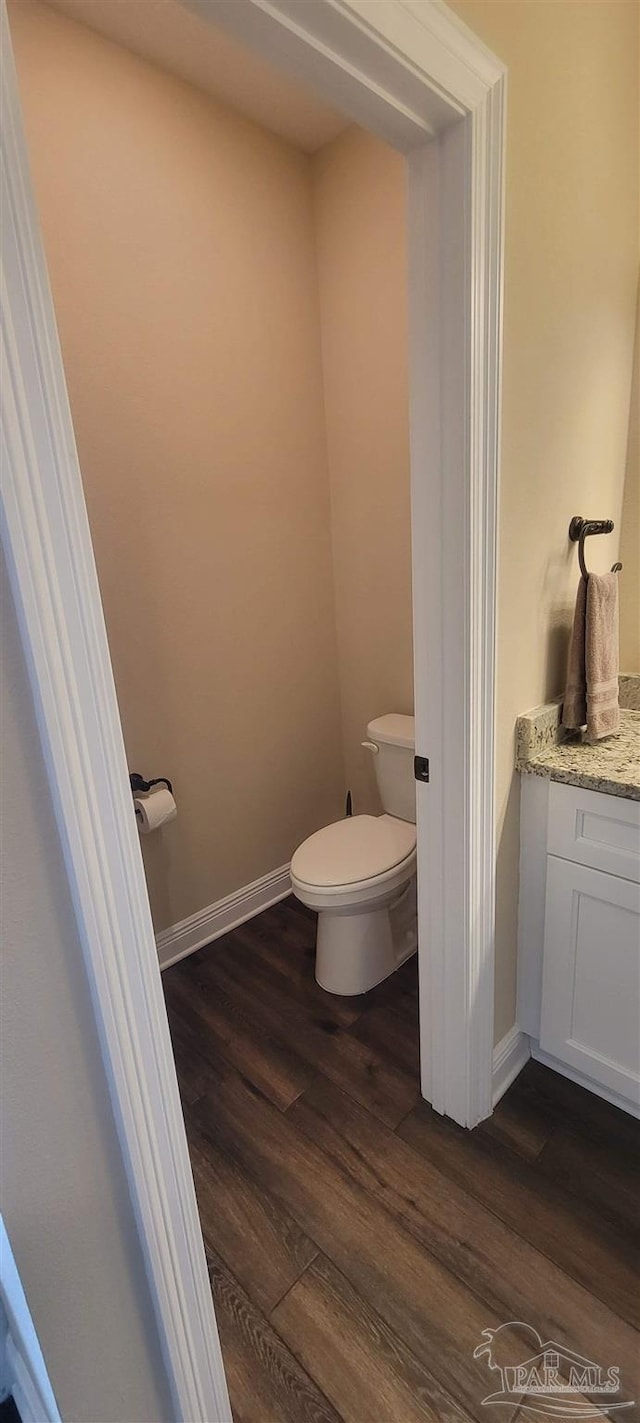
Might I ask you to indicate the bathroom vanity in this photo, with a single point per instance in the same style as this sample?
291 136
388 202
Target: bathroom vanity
579 914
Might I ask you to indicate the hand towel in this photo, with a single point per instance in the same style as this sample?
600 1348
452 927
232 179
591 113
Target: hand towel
602 655
574 710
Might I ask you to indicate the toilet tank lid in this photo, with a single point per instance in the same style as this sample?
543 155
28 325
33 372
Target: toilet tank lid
393 730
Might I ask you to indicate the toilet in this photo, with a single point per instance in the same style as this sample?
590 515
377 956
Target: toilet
360 873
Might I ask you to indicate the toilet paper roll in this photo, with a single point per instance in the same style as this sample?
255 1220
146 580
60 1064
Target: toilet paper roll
154 810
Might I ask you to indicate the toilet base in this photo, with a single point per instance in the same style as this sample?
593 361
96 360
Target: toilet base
356 949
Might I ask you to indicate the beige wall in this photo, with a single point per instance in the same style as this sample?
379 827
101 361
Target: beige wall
180 244
65 1198
359 201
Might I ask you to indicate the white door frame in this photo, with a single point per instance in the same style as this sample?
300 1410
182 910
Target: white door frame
23 1372
411 72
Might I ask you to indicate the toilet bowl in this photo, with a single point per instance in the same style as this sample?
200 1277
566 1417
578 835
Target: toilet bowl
359 874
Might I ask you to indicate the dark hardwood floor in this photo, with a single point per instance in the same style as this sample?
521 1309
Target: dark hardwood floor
359 1244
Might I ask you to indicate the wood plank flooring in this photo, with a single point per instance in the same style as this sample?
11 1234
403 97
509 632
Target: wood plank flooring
359 1244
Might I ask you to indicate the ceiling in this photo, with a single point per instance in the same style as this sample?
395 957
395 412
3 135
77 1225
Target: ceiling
172 36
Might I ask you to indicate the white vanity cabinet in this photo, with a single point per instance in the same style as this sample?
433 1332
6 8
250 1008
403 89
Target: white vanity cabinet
579 935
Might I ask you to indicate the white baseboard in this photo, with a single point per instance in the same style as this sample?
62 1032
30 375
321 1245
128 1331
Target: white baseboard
190 934
509 1057
626 1104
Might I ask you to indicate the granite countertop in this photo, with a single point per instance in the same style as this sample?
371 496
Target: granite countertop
612 766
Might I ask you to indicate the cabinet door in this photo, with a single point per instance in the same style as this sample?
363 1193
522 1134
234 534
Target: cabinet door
591 976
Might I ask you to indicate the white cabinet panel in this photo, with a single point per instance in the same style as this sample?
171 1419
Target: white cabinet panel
591 977
598 830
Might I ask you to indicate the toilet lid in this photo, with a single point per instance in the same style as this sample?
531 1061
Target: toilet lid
358 848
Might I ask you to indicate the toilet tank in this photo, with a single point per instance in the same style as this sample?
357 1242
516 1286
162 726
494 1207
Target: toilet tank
394 737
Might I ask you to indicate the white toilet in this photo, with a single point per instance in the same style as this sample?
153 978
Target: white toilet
360 874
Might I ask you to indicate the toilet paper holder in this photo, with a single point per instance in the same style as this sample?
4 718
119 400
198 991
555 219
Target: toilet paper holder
138 783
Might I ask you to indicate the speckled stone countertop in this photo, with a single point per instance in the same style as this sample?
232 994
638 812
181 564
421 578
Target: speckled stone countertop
544 748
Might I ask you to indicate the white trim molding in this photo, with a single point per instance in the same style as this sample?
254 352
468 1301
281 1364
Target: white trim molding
190 934
509 1058
455 422
410 71
23 1372
573 1073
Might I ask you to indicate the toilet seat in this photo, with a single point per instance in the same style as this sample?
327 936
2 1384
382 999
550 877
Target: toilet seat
350 861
